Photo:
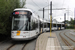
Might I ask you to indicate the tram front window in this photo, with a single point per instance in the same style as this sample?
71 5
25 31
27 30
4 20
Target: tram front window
20 22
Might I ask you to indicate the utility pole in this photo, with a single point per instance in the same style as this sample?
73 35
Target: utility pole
74 18
50 17
43 17
65 20
48 10
74 22
43 13
68 16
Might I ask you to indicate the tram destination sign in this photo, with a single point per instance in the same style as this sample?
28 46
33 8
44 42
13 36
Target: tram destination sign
17 13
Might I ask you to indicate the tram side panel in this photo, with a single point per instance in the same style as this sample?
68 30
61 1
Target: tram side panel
40 27
47 28
35 26
44 29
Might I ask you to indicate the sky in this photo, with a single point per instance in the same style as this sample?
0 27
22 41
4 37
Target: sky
36 5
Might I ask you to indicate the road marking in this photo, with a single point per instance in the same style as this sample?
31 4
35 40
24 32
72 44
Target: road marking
50 44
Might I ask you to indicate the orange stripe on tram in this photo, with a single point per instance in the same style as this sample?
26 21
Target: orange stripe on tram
18 33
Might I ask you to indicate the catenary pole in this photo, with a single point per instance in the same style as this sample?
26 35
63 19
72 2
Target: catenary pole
74 18
65 20
43 17
50 17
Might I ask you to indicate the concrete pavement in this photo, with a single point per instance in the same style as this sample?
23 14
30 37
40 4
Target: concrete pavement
44 42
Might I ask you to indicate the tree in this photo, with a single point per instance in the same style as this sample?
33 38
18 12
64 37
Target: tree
6 8
71 23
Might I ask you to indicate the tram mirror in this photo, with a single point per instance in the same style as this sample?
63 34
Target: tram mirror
30 13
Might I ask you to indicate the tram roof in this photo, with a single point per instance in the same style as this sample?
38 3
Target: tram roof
49 21
23 9
34 15
54 21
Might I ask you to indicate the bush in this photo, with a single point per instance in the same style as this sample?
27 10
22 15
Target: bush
70 27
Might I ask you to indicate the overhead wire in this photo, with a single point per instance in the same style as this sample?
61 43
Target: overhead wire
63 3
35 4
38 6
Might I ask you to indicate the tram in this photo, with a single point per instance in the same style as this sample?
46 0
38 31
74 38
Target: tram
25 24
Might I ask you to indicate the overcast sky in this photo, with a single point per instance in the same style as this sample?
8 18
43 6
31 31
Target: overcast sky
35 5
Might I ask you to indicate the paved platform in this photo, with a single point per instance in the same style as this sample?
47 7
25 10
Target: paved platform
44 42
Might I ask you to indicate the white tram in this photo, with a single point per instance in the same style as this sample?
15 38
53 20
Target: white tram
25 24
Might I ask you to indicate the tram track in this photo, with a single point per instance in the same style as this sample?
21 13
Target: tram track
21 45
69 37
24 46
65 40
18 45
11 46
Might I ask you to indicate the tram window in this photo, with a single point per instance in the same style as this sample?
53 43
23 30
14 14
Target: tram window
54 25
44 25
33 23
62 25
47 25
41 25
20 23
